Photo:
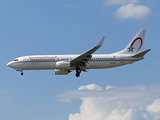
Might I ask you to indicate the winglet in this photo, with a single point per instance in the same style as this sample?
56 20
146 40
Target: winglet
88 53
101 42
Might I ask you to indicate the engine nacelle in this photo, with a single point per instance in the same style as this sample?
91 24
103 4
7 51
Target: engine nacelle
61 72
63 65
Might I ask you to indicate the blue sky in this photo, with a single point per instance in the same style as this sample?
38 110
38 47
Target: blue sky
40 27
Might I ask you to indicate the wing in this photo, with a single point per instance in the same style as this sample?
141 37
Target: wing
83 58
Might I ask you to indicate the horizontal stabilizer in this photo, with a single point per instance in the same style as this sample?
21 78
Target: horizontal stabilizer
141 54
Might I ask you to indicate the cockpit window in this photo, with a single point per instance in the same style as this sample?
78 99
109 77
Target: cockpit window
15 59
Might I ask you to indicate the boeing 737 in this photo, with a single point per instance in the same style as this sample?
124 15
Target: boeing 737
64 64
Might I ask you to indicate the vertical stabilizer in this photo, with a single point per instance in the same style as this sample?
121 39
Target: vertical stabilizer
135 46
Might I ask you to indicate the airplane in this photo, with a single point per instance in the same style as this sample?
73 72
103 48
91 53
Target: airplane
64 64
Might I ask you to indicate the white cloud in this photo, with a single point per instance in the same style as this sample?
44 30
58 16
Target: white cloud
121 2
118 103
121 114
90 87
109 87
130 9
139 12
155 107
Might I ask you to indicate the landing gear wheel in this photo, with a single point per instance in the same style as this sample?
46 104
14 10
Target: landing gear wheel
78 71
77 74
21 73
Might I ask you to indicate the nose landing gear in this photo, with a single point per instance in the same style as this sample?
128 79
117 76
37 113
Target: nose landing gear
22 73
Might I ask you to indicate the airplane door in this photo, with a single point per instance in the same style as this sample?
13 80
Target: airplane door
26 64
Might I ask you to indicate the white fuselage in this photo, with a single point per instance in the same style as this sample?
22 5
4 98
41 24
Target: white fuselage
64 64
98 61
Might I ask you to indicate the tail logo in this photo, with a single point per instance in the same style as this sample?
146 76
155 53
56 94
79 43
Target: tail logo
132 44
130 49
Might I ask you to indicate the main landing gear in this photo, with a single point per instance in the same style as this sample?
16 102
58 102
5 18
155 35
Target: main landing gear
78 71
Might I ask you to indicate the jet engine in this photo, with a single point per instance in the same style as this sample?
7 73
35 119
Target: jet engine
63 65
61 72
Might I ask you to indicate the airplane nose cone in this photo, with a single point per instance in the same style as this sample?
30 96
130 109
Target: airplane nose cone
9 64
